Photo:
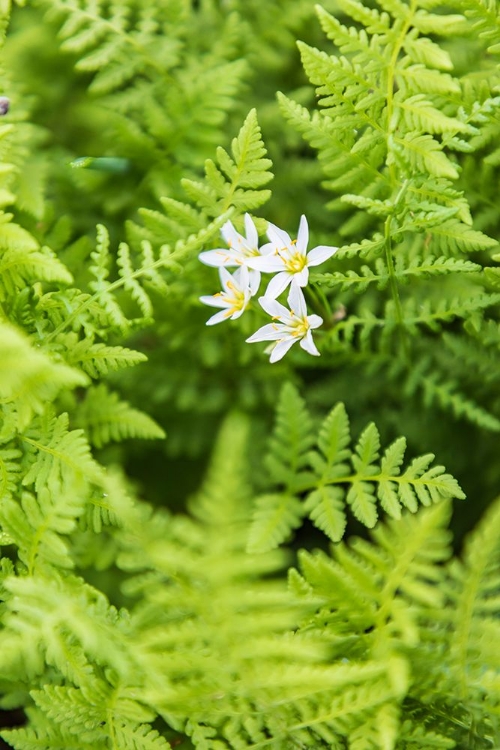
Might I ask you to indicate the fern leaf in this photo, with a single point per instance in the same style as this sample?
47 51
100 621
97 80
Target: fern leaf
142 737
60 455
291 439
97 359
419 114
361 578
333 441
237 180
453 235
38 738
10 471
447 395
22 261
28 377
325 507
472 590
424 154
39 526
274 518
105 418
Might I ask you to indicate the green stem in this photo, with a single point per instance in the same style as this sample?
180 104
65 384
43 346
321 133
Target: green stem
318 301
391 71
393 284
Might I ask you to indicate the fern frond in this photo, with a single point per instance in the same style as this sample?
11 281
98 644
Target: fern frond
453 236
35 738
418 267
291 439
472 590
97 359
274 518
112 46
10 470
39 526
485 17
104 418
57 455
23 261
446 394
234 180
28 377
422 153
140 737
340 475
362 584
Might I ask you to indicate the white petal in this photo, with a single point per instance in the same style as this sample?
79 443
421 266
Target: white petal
218 317
214 301
270 263
219 257
269 332
278 237
254 281
278 284
302 277
252 236
225 278
296 301
273 308
281 349
230 235
320 254
267 249
315 321
237 313
242 277
308 344
303 236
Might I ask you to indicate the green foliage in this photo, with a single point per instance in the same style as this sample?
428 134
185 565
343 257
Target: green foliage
391 150
144 602
105 417
335 474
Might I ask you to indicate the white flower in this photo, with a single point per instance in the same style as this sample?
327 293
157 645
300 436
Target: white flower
234 298
295 325
288 258
240 249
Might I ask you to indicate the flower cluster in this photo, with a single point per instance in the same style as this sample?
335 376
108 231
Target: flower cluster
290 262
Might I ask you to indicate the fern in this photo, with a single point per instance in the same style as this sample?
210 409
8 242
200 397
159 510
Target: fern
104 418
28 377
339 475
136 626
388 148
97 359
232 184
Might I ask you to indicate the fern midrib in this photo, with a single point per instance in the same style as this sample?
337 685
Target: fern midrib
363 703
391 74
375 478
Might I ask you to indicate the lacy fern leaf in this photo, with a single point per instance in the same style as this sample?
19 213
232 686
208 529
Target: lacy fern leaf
28 377
104 417
339 474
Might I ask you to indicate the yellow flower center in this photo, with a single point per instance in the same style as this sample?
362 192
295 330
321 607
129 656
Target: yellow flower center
237 300
300 327
296 263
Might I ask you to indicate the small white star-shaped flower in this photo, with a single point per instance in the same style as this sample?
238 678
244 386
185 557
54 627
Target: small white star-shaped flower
236 294
240 249
288 258
295 325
